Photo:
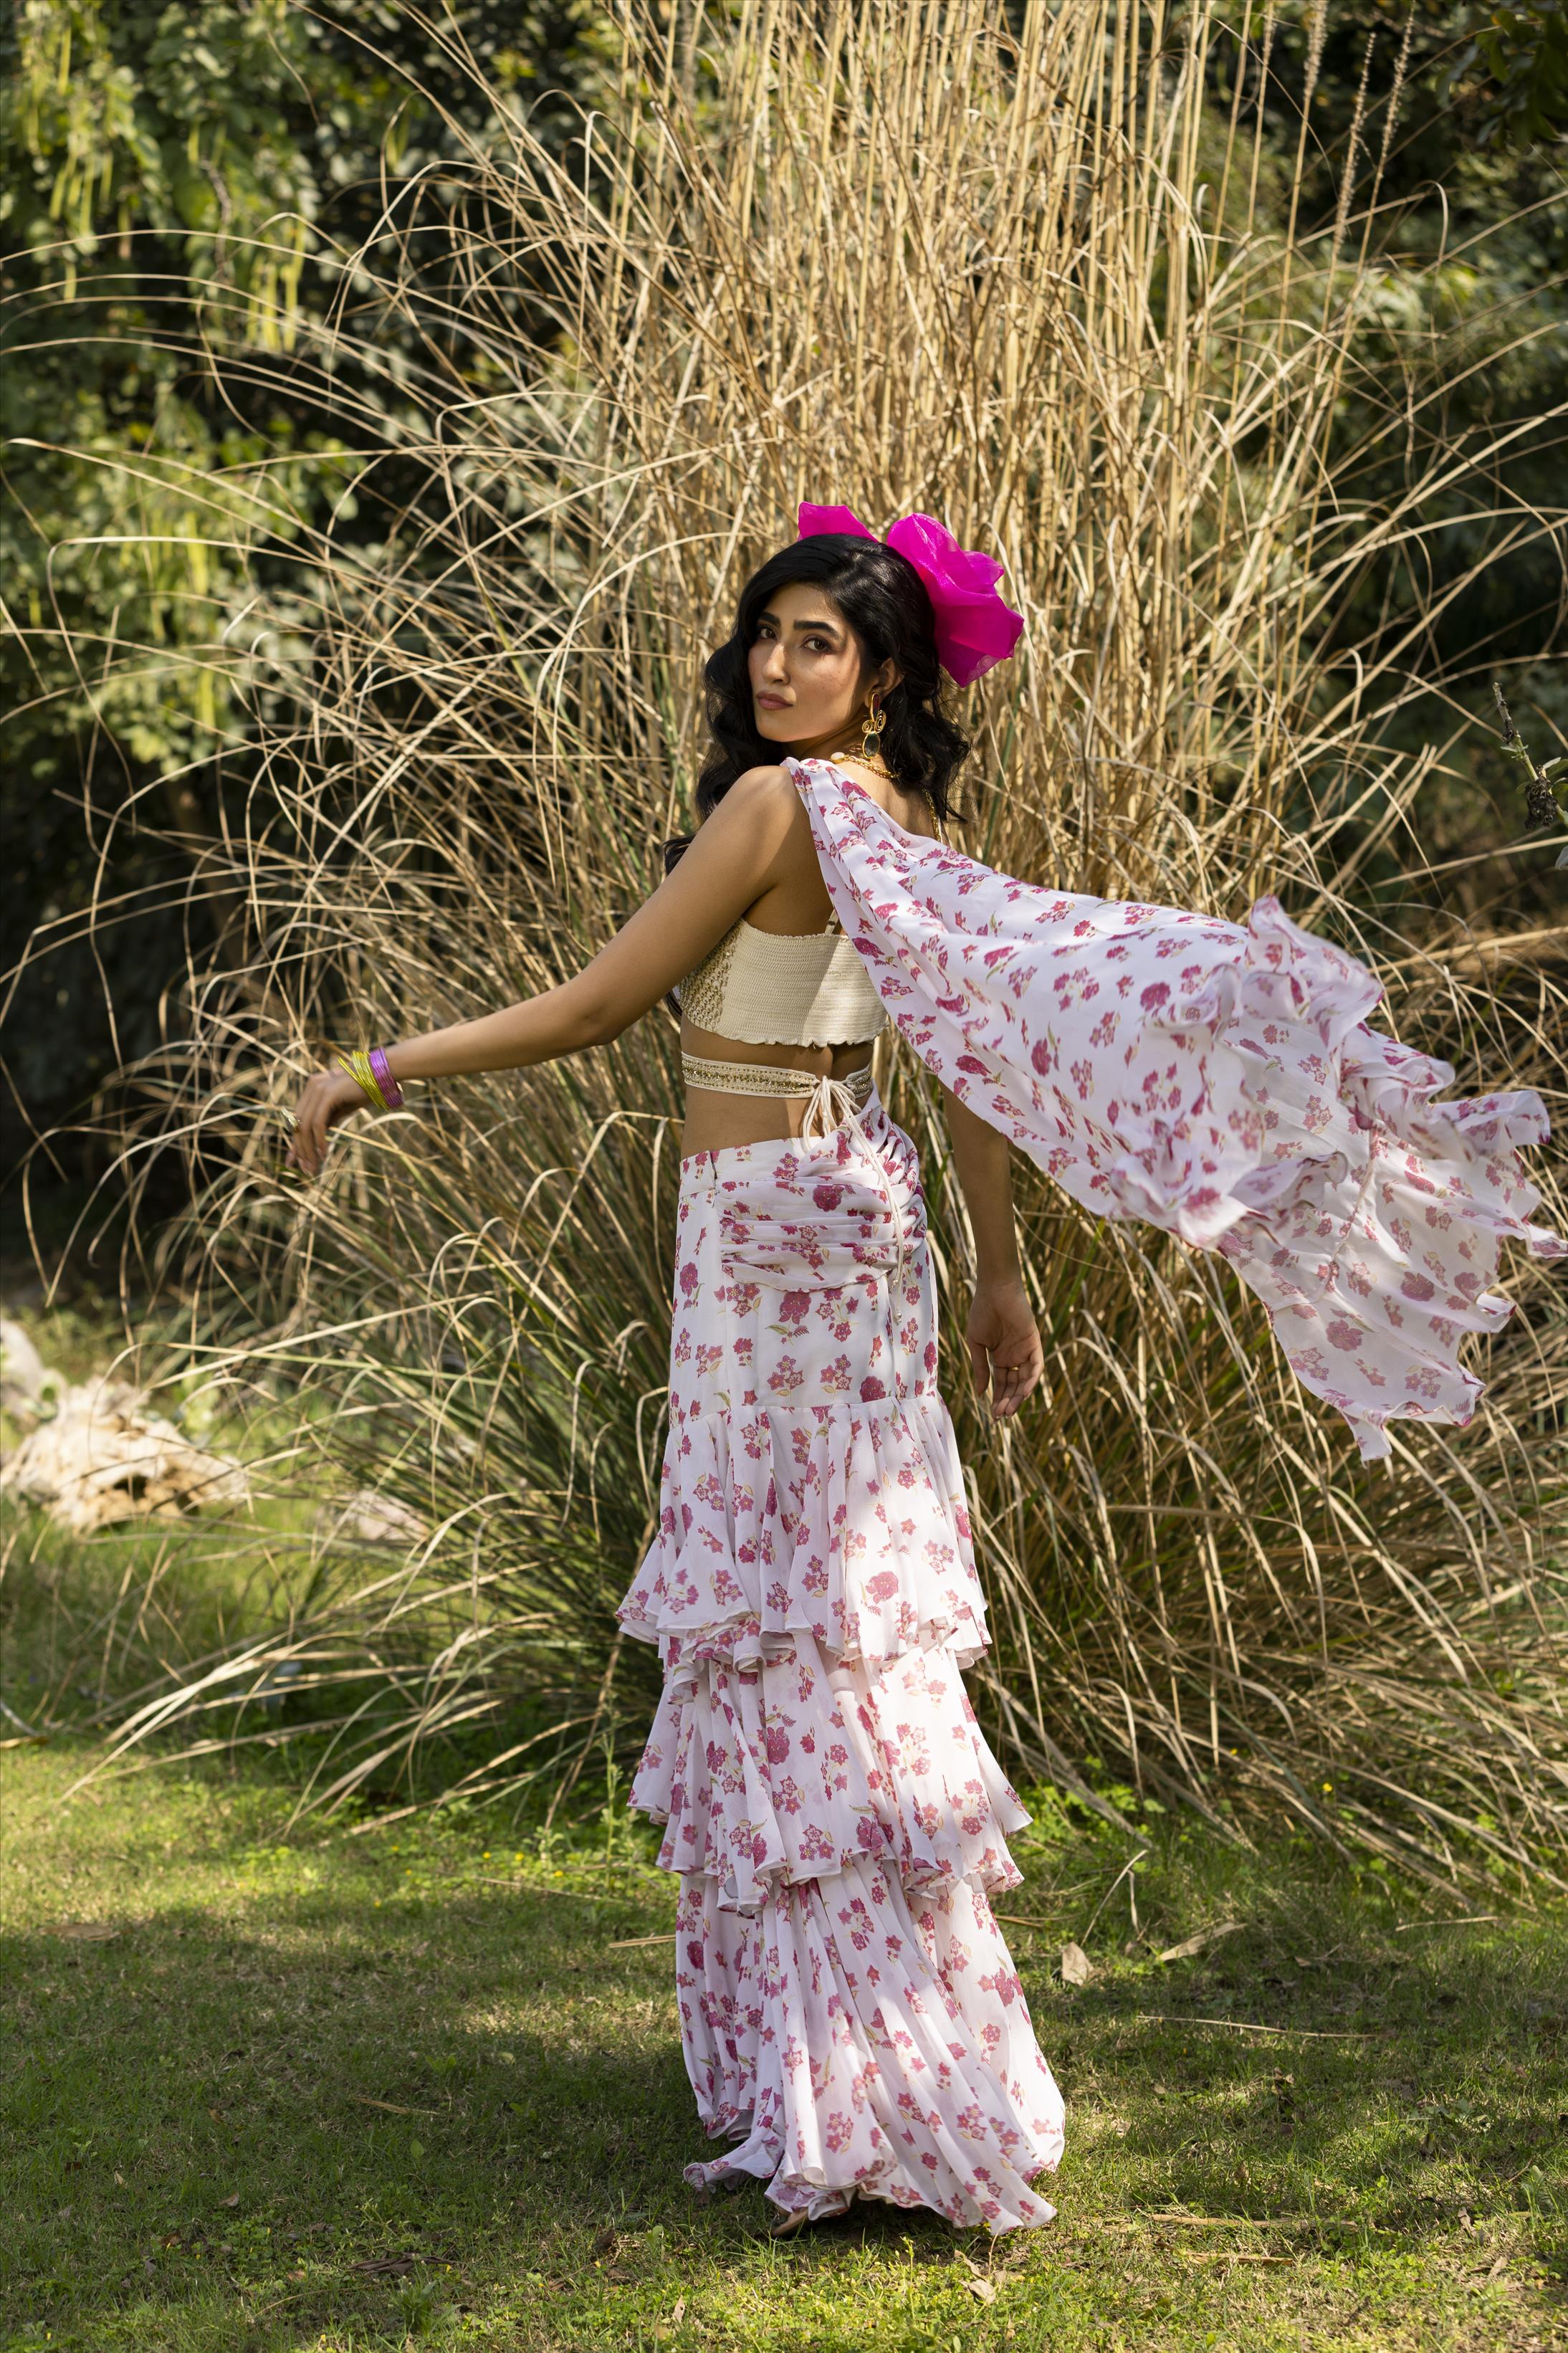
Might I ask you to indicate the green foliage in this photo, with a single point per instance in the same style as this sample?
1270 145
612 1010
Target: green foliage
1472 271
180 123
1522 53
178 186
167 171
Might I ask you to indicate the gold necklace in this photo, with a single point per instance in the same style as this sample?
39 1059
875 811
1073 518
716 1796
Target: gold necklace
876 765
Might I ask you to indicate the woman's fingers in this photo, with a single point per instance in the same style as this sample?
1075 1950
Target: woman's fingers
318 1104
1013 1376
1005 1352
305 1150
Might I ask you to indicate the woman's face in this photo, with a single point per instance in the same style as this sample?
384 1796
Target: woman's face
808 675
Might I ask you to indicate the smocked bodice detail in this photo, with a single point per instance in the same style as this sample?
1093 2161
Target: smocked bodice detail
784 988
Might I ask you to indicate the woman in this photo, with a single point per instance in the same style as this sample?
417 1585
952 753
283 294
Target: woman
849 2012
849 2009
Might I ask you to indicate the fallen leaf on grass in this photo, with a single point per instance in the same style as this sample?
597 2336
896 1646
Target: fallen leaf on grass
629 1943
678 2314
1230 2255
1463 1920
1077 1967
1196 1944
84 1932
383 2267
234 2200
979 2282
1224 2221
392 2107
1253 2026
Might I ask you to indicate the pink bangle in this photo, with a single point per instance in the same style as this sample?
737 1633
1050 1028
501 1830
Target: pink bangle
392 1094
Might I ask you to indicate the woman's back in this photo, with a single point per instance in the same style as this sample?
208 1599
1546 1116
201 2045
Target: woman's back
783 989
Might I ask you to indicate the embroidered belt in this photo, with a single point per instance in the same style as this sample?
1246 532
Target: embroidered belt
775 1079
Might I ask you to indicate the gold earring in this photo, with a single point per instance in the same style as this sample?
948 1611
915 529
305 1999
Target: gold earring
871 735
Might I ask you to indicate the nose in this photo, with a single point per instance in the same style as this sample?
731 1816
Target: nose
774 667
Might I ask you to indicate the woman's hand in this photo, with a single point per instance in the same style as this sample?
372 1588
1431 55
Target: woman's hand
1004 1343
1005 1350
328 1097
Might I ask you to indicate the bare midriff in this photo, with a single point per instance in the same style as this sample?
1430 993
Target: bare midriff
714 1121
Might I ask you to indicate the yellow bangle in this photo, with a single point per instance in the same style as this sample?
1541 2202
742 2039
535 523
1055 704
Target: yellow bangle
358 1066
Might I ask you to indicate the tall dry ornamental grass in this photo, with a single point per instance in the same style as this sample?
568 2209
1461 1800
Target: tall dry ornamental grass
892 256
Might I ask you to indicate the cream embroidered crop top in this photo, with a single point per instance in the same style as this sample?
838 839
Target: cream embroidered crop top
784 988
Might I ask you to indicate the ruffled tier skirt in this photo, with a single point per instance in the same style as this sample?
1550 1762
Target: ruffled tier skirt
850 2015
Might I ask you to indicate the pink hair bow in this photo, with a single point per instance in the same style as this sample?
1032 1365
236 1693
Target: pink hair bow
975 629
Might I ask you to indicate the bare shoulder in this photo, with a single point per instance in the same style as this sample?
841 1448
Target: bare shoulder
762 801
767 787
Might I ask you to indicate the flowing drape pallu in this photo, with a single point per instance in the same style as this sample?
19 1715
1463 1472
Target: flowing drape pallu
1217 1081
849 2011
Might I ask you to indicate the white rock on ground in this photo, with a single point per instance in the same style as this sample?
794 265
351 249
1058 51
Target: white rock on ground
23 1374
368 1518
103 1459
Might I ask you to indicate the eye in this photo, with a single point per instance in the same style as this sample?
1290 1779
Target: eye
819 645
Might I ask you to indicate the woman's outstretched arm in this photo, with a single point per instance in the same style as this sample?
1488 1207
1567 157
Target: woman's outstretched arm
735 855
1003 1337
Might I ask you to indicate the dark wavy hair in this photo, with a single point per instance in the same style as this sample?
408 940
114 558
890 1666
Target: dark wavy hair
884 600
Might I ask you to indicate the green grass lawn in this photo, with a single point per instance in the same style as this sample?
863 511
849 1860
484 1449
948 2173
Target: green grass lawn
405 2083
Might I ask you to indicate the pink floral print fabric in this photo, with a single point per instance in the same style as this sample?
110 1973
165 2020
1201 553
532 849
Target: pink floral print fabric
1216 1080
850 2015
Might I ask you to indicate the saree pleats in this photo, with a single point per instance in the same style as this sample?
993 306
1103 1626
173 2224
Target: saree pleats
850 2015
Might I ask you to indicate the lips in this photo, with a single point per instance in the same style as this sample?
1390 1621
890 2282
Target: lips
772 702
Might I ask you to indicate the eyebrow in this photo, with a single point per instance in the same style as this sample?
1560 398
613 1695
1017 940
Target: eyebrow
829 628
